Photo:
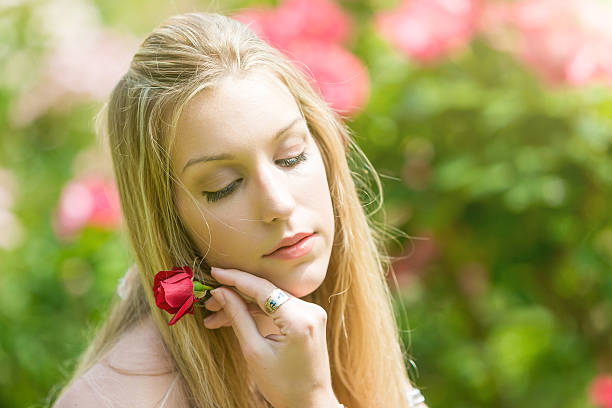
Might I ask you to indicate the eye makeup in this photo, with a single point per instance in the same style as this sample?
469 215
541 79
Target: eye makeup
288 163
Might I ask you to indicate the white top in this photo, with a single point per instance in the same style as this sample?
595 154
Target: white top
134 374
414 397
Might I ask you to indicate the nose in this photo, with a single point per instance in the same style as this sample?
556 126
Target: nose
275 197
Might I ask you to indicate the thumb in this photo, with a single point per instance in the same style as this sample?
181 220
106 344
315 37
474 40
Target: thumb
238 313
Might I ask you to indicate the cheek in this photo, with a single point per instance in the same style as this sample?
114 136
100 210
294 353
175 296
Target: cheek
315 193
321 187
193 218
210 230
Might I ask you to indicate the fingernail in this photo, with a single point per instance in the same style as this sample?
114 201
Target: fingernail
218 296
214 269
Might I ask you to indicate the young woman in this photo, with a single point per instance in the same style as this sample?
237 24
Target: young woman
225 157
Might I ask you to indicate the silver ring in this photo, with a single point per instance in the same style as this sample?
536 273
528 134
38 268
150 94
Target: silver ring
276 298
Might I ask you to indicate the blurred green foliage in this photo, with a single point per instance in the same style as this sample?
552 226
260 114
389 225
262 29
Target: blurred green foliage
508 179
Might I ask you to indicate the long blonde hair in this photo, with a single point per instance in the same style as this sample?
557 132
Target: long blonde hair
183 56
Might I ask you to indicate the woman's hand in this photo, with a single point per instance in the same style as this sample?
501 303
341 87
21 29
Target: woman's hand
290 369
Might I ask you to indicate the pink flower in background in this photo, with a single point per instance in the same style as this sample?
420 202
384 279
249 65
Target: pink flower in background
298 20
89 200
428 30
92 68
315 20
563 41
261 20
84 61
81 71
341 77
310 33
600 392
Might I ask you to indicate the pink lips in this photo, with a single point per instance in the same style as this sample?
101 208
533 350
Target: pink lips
296 250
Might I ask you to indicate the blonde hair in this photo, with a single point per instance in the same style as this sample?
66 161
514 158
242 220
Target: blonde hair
183 56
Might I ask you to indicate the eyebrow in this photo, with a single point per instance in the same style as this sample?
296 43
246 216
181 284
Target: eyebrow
227 156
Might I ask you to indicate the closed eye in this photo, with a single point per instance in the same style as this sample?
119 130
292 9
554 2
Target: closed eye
213 196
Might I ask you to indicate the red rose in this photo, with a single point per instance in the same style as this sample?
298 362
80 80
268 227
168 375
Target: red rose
173 292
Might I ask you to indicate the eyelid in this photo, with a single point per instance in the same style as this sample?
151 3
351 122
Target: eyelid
288 156
294 150
294 161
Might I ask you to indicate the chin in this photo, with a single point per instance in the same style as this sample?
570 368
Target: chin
303 290
305 282
301 294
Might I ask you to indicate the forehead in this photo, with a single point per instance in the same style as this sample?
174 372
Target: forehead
239 109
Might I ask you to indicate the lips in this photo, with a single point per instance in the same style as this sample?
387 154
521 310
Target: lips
289 241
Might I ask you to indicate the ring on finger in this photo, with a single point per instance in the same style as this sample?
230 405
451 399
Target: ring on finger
275 300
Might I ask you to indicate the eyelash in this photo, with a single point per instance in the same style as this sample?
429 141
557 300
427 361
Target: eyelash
212 196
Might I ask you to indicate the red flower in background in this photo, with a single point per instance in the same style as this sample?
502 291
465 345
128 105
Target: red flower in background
601 391
311 32
428 30
87 201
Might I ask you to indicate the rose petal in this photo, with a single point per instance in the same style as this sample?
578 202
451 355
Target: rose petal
185 269
186 308
161 276
160 301
179 276
177 292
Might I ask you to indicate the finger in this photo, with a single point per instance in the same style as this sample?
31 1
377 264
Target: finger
257 288
244 296
215 320
276 337
291 317
212 304
244 326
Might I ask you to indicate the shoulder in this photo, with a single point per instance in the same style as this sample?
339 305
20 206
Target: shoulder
118 391
137 372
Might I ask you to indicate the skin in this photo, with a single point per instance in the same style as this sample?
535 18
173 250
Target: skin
286 351
270 201
241 117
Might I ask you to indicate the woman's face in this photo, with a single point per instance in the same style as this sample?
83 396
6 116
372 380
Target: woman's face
273 176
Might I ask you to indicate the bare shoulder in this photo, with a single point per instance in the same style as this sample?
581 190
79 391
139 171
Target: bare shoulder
137 372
